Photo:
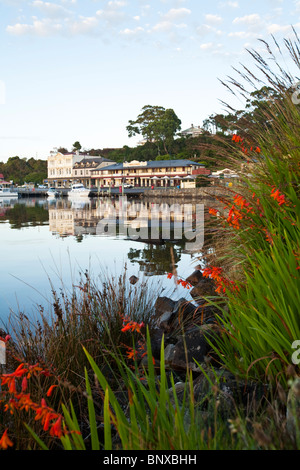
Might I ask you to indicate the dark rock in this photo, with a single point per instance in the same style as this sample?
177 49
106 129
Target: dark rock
183 310
206 313
163 305
204 288
156 340
170 315
229 391
133 280
164 321
194 278
190 347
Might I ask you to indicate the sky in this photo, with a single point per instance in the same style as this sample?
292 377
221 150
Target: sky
79 70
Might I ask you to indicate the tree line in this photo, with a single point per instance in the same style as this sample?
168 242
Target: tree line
23 170
159 128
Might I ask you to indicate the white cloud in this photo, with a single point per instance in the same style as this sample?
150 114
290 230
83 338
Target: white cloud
247 19
132 32
113 12
213 19
205 46
43 27
169 20
242 34
84 25
163 26
176 14
230 4
233 4
205 29
276 28
51 10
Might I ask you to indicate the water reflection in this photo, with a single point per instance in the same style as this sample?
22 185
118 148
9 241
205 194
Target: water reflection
24 213
159 228
165 220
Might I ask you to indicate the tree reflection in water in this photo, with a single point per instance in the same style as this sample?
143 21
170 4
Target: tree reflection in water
156 259
24 213
80 219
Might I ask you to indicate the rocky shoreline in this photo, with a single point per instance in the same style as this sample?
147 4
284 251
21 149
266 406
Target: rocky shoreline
189 331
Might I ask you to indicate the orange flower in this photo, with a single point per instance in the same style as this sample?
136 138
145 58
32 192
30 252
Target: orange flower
25 402
133 326
213 211
56 428
170 275
236 138
50 390
234 216
280 198
184 284
11 406
5 442
24 384
130 353
222 283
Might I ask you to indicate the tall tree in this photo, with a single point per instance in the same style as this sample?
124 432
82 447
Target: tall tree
155 124
77 146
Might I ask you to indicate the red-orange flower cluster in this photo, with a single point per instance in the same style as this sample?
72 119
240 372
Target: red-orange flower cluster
129 325
280 198
234 217
5 442
222 283
212 211
236 138
181 282
240 140
16 383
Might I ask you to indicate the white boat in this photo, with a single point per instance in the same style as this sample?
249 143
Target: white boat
52 193
6 191
78 190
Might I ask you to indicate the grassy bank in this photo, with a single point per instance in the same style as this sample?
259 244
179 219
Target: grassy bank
87 378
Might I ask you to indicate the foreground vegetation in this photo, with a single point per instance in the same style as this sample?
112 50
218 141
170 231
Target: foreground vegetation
77 379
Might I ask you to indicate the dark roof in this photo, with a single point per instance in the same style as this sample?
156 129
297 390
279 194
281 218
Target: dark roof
152 164
89 159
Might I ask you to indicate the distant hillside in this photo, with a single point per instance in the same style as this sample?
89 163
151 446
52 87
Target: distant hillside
198 148
23 170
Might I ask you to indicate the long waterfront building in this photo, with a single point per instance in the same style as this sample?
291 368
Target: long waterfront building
150 173
96 171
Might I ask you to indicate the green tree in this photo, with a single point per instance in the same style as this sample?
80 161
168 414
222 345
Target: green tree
77 146
21 170
155 124
166 128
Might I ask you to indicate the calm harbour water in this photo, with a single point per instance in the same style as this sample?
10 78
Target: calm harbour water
56 239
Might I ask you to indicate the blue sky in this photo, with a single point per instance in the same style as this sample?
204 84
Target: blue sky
81 69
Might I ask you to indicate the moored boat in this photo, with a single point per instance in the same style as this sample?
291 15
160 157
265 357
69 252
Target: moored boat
79 190
52 193
6 190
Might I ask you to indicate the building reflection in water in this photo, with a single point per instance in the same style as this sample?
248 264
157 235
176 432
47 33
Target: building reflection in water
165 230
137 220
